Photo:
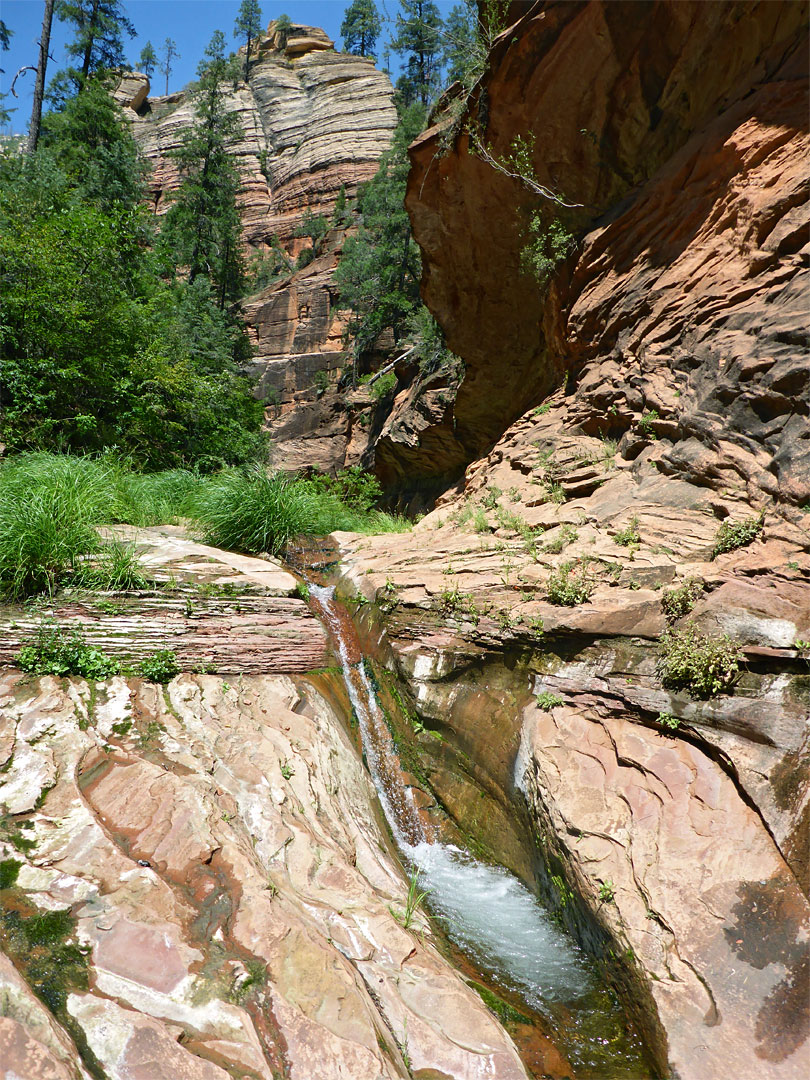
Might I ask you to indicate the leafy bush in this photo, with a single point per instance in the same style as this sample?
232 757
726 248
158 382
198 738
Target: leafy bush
160 667
680 601
57 652
567 589
355 486
733 535
667 720
693 661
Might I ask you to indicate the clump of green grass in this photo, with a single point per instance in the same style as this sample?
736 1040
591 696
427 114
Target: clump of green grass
257 513
548 701
57 652
567 589
736 534
693 661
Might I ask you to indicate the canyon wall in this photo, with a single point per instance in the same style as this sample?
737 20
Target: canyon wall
314 123
637 450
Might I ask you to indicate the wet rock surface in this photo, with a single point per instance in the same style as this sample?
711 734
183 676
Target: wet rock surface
216 848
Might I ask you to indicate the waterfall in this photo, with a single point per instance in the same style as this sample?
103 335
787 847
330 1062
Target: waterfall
487 911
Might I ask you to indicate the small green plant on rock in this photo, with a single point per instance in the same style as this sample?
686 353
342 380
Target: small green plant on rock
646 423
567 589
693 661
667 720
548 701
607 892
160 667
629 536
56 652
737 534
679 602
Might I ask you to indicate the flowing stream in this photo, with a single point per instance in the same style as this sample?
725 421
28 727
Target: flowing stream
487 912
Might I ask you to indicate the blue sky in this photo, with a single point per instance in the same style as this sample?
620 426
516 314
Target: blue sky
189 22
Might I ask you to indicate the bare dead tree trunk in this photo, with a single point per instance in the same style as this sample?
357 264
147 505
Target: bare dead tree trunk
39 86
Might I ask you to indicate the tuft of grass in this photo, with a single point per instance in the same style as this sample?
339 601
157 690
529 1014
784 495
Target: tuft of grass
568 534
736 534
56 652
693 661
261 513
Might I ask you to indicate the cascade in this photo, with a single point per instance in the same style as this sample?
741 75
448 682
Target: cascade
488 914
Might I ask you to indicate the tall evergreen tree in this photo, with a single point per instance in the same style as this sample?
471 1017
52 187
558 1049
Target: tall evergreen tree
39 83
147 61
170 53
99 29
202 228
463 51
5 39
379 270
248 25
360 28
418 40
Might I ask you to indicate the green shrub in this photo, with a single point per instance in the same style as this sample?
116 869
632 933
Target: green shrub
700 664
57 652
116 566
160 667
679 602
667 720
733 535
567 589
607 891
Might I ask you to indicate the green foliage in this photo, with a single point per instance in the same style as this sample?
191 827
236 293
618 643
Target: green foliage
379 270
418 42
202 229
607 891
315 226
413 901
9 869
737 534
354 486
702 665
381 386
568 589
99 28
256 977
248 26
256 512
170 53
568 534
360 28
679 601
96 349
550 243
115 566
667 720
55 652
629 536
147 61
646 422
548 701
160 667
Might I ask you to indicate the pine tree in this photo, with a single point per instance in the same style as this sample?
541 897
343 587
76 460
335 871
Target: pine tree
379 270
360 28
100 26
418 40
147 61
202 227
463 51
248 25
169 53
5 40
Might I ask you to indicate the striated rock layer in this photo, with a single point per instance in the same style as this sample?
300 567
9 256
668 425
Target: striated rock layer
314 123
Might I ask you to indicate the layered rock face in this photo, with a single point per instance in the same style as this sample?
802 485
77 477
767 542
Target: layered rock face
672 824
193 877
314 122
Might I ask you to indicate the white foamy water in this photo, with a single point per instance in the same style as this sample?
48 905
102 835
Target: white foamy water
487 911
